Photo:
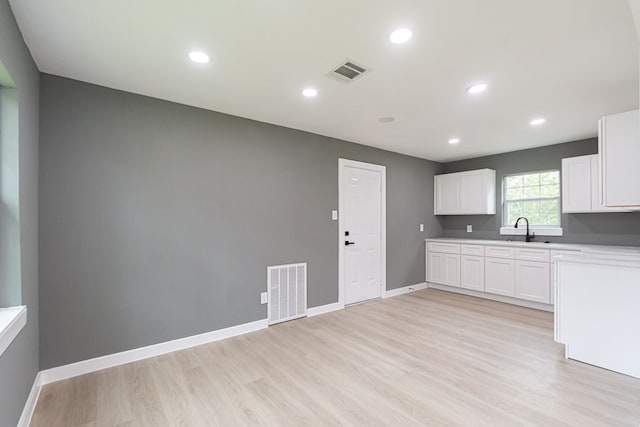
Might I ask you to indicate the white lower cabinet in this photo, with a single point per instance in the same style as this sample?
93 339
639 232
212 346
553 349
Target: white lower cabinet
472 272
434 267
499 276
532 281
519 272
552 278
452 270
444 268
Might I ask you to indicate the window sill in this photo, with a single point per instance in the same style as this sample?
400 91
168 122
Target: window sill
12 320
521 231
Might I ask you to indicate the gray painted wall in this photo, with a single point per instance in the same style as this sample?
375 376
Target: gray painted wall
19 363
592 228
158 220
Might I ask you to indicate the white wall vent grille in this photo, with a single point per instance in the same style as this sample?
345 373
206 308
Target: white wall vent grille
347 71
287 286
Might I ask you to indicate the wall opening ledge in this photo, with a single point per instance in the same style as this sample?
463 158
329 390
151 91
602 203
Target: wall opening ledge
12 320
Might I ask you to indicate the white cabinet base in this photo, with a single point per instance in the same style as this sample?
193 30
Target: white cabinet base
512 272
493 297
597 313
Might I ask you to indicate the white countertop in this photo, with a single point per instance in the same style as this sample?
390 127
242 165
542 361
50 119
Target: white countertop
590 251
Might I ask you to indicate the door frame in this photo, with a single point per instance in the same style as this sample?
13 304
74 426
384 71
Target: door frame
342 163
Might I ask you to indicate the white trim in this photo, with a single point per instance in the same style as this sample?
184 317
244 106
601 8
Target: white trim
84 367
342 163
539 231
30 405
111 360
322 309
12 320
405 290
493 297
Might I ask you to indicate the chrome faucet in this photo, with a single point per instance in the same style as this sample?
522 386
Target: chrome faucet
528 236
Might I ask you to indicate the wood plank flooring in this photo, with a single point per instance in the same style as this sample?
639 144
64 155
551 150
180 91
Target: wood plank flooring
425 358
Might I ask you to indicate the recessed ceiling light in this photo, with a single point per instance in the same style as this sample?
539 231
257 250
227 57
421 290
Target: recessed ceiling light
537 122
454 140
198 57
386 119
401 35
309 92
477 88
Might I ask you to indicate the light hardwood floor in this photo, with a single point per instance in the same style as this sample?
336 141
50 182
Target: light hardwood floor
425 358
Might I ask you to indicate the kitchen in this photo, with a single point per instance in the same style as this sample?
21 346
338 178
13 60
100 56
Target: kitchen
592 288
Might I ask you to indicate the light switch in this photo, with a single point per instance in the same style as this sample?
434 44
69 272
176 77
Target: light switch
469 228
263 298
421 227
334 215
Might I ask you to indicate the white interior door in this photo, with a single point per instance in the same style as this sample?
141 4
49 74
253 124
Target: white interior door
362 231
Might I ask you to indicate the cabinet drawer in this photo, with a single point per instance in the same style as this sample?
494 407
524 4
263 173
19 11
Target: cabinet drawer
475 250
555 252
447 248
499 252
527 254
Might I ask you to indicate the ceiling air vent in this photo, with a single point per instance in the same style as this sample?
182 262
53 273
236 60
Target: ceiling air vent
347 71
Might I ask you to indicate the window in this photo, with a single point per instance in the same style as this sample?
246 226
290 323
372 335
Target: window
13 317
535 196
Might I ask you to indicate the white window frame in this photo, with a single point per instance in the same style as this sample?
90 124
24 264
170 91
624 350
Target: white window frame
539 230
12 319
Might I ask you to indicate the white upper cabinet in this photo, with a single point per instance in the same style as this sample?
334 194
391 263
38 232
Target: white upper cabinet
576 184
447 200
619 148
596 203
465 193
581 186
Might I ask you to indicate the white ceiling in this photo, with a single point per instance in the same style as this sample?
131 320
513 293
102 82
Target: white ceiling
570 61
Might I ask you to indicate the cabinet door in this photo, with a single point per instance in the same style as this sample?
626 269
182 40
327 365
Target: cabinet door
477 192
619 149
576 184
499 276
446 189
472 272
532 281
472 192
451 268
596 206
435 270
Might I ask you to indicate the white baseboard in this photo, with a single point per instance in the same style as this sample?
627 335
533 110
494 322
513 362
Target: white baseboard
404 290
30 405
327 308
103 362
493 297
79 368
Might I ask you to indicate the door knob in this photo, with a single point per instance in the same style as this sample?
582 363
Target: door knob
347 243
